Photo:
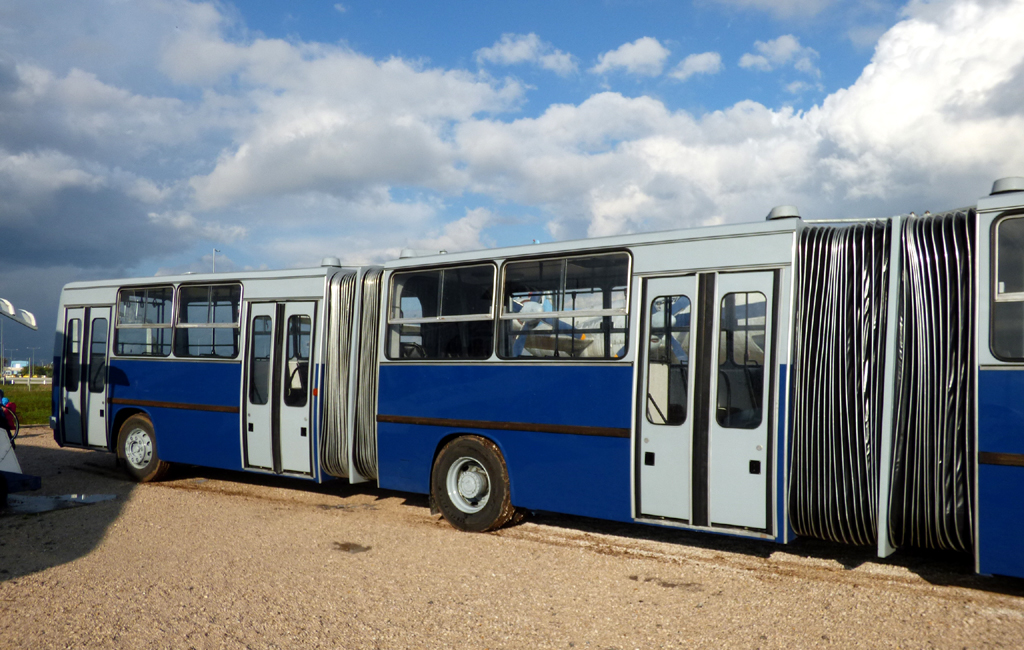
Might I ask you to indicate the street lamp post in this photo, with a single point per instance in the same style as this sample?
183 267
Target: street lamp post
13 351
31 365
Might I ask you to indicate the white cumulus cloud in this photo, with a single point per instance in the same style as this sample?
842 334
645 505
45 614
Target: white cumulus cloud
782 51
513 49
705 63
645 56
309 149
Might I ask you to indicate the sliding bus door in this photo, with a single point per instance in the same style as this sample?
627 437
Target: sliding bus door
277 392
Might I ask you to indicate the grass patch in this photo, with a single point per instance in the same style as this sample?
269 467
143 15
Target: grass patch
33 405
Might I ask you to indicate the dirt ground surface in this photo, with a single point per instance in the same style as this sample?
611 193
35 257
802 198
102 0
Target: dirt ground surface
212 559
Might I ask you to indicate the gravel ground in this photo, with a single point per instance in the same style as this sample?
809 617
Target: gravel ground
211 559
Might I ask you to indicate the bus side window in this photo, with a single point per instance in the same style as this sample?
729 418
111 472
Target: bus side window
144 322
259 359
72 355
741 360
208 321
442 314
566 307
668 362
98 356
1007 332
297 367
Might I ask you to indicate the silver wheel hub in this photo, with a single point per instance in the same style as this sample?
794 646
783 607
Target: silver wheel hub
469 486
138 448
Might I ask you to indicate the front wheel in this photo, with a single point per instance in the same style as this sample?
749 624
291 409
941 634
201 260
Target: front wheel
469 484
136 444
15 424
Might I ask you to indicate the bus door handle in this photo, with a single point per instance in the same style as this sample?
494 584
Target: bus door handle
250 427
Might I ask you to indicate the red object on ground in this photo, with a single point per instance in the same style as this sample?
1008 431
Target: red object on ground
9 410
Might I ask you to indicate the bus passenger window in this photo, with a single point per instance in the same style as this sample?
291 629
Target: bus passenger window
261 345
98 356
1007 314
668 360
208 321
72 355
144 322
741 342
573 307
296 369
442 314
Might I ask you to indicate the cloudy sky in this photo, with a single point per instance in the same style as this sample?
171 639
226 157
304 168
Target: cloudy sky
138 135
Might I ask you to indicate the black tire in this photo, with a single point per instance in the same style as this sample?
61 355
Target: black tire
136 444
13 433
469 485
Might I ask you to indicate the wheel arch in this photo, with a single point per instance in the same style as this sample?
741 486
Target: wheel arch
492 439
115 428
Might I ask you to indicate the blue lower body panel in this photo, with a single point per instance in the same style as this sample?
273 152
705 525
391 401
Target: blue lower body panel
1001 520
190 433
561 472
197 438
571 474
1001 483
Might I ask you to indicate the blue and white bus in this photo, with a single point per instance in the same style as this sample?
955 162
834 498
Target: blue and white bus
855 380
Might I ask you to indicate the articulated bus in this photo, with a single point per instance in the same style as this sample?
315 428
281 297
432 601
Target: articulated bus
855 380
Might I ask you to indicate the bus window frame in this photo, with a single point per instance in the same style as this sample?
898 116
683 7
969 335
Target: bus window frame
998 297
390 321
169 325
624 311
239 345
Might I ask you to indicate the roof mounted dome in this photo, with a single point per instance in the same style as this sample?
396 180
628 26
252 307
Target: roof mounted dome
783 212
1008 184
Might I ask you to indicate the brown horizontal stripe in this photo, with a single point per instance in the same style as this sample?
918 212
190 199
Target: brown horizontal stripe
996 458
173 405
607 432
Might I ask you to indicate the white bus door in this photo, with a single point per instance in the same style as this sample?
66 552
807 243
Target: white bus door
703 413
84 375
71 376
94 381
664 417
277 431
741 378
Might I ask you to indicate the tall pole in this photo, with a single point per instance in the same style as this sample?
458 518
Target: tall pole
31 365
215 251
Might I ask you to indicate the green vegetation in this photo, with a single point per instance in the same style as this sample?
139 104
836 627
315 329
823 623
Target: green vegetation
33 405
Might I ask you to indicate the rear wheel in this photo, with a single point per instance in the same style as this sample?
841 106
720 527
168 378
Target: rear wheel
136 444
469 483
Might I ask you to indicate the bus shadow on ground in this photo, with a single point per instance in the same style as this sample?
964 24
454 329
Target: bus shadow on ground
35 541
30 543
940 568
